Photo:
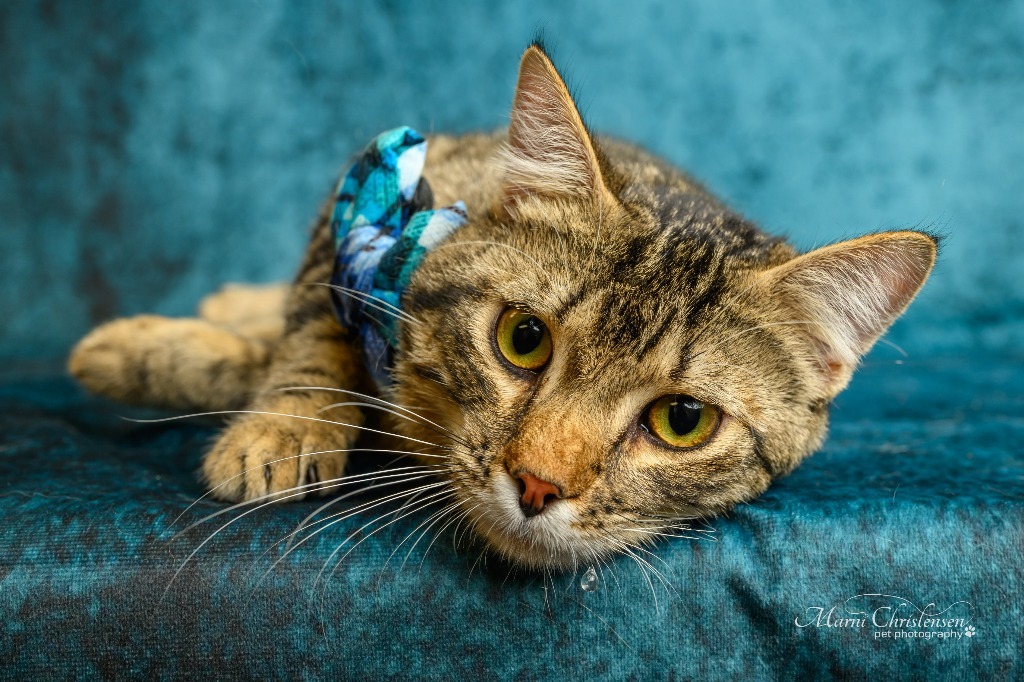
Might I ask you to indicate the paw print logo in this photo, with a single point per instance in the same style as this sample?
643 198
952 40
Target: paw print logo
969 631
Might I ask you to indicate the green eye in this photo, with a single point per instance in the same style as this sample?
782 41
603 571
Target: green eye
682 421
524 339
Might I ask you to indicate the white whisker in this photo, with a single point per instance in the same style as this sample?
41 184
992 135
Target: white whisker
430 469
457 517
372 301
306 523
386 403
232 522
665 535
243 473
355 478
282 414
431 520
389 411
430 500
607 624
338 517
643 570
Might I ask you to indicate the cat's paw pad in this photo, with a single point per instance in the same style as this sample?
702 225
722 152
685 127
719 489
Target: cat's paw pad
265 457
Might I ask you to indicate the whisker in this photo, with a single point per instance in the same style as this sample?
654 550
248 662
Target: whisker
667 535
430 500
441 530
338 517
432 519
396 310
282 414
478 558
305 523
456 536
451 509
673 520
385 403
545 579
660 527
606 623
687 527
683 523
643 570
607 564
426 503
382 325
659 559
229 523
389 411
283 459
243 473
431 469
370 300
490 529
664 524
354 478
898 349
669 588
408 502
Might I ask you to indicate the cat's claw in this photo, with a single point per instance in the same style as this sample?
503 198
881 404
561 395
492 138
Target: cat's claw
257 459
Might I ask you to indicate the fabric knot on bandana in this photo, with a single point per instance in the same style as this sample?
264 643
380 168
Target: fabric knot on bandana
383 226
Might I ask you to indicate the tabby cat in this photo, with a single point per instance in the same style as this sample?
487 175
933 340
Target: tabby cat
601 351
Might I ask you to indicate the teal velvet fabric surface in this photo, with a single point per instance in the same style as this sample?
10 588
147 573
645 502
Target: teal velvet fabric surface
919 494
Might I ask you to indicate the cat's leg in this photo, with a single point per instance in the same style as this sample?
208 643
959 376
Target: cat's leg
292 437
213 363
173 363
256 311
265 453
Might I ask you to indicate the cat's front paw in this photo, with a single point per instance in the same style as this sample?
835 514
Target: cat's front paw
173 363
275 457
112 360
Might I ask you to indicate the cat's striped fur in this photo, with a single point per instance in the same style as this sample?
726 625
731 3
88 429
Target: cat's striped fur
649 286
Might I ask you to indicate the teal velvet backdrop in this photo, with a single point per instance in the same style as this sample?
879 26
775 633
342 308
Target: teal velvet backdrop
152 150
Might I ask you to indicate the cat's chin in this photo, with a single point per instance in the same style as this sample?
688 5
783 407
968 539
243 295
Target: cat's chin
548 540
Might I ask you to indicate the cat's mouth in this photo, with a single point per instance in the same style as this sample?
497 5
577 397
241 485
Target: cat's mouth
548 539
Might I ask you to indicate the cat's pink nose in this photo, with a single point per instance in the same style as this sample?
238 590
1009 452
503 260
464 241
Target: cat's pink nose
536 493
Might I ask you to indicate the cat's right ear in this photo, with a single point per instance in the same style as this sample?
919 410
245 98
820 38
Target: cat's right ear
549 153
846 295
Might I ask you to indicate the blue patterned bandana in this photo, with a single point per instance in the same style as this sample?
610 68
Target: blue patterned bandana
383 226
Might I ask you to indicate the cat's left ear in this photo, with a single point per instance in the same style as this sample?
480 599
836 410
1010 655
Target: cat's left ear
846 295
549 153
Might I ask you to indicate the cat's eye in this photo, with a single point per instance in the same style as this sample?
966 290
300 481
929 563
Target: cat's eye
523 339
682 421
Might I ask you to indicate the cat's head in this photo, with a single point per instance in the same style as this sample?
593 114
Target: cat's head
615 352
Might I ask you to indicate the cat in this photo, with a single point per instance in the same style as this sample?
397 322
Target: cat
602 352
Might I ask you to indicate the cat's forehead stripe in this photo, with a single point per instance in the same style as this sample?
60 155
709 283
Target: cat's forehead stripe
573 300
